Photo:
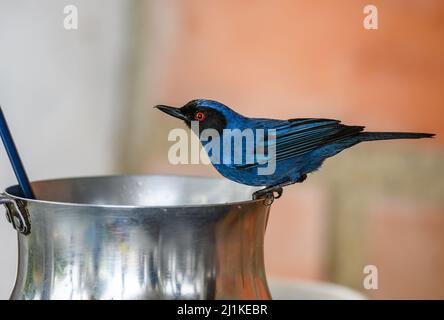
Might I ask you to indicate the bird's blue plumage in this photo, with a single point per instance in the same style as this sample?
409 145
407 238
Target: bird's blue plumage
301 145
297 141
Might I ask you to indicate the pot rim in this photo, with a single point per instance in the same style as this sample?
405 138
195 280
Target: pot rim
104 206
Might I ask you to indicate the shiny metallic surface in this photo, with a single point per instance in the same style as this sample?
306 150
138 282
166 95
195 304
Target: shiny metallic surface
142 237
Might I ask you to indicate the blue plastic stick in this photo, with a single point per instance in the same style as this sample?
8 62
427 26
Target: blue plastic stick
14 157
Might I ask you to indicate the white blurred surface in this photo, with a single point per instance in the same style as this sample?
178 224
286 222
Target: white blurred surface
63 93
290 289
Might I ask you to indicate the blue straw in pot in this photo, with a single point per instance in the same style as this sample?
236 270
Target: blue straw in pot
14 157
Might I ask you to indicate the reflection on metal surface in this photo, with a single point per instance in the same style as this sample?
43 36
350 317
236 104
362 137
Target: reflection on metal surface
156 249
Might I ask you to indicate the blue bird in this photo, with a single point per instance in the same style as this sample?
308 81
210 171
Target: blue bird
299 146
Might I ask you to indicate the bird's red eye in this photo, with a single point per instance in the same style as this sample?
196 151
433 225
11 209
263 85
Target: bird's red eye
200 116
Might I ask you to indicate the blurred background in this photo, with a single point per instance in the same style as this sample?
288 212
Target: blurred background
79 102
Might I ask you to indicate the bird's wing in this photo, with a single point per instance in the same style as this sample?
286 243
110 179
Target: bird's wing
296 137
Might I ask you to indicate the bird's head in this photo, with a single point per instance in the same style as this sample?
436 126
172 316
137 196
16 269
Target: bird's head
210 114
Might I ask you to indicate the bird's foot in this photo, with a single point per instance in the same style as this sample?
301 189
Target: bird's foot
268 194
275 192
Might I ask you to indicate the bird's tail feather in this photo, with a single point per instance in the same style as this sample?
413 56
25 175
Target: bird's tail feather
370 136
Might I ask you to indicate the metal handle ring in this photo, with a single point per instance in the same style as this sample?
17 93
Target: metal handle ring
16 214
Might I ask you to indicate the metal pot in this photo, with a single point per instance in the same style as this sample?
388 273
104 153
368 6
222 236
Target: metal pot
139 237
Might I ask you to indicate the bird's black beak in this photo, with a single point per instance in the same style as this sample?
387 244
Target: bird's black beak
174 112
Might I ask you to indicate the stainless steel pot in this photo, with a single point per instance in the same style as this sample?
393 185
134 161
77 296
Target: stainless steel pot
139 237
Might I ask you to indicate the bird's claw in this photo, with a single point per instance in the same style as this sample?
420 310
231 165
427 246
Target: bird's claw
261 194
279 192
272 194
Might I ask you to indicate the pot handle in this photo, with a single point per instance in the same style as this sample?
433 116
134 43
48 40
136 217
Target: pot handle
16 213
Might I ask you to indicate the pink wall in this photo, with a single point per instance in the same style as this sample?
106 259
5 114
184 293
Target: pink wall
313 58
286 59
